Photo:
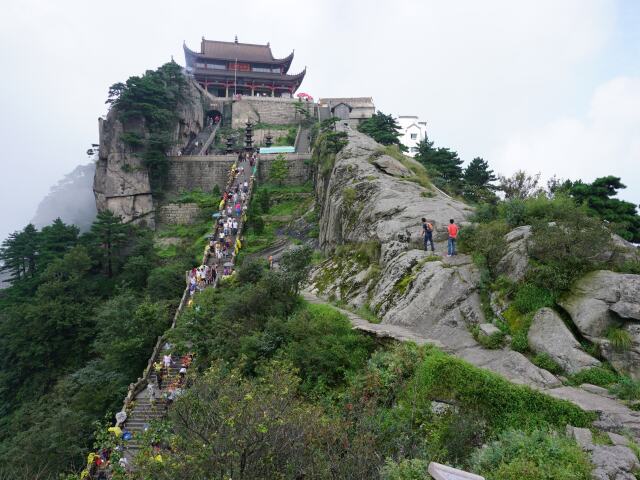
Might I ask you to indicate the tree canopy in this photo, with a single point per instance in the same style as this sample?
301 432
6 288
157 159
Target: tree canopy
598 198
150 102
383 129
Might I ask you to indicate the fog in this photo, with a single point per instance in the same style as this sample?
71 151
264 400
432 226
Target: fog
541 85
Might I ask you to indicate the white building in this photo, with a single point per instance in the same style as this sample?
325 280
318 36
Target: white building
412 131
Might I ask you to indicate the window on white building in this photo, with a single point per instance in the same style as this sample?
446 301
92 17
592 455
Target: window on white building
414 136
415 149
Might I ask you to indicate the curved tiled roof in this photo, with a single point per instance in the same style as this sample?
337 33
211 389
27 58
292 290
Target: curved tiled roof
242 52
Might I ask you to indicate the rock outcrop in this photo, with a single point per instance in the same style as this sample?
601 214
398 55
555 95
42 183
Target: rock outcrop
605 300
548 334
383 204
610 462
121 182
434 297
515 262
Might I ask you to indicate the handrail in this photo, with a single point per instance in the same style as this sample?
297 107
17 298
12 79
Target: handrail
295 143
209 140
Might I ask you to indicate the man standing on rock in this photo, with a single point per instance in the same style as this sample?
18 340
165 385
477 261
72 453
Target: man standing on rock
452 228
427 233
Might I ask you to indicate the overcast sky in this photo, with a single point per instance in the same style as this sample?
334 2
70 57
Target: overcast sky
543 85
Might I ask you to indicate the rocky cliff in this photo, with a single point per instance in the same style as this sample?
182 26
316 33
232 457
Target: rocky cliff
370 207
121 182
370 198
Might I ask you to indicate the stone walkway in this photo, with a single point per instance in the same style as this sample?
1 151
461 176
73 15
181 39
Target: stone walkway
613 416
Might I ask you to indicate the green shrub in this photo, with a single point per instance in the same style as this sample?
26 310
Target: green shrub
485 213
257 225
513 212
600 376
414 469
520 342
518 324
538 455
324 347
530 298
620 339
501 404
491 342
564 251
262 200
544 361
167 282
626 389
487 240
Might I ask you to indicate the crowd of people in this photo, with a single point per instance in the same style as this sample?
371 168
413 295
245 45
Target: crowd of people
219 260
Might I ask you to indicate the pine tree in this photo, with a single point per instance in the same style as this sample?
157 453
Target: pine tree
383 129
19 253
597 196
477 182
108 234
443 165
56 240
479 174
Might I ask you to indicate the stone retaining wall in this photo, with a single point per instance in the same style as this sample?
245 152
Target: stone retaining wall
203 172
278 111
178 214
299 168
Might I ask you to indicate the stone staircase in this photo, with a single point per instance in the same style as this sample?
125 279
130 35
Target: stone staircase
144 409
141 409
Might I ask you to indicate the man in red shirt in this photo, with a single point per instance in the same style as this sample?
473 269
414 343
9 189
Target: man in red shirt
453 235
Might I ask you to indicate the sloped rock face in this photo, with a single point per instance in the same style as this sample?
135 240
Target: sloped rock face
548 334
121 182
602 300
515 262
385 207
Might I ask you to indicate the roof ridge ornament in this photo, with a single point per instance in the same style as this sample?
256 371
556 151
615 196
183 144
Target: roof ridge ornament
236 41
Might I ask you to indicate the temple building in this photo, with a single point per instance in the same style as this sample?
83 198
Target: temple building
226 69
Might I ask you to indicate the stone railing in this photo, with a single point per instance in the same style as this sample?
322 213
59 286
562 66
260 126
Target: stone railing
209 140
143 381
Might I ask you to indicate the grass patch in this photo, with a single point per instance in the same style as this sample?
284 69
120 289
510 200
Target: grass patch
492 342
169 251
544 361
518 324
626 389
600 376
503 405
620 339
368 314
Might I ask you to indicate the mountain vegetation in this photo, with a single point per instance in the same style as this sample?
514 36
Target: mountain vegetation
77 323
150 102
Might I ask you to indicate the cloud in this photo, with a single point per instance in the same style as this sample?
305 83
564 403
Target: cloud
480 73
605 141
